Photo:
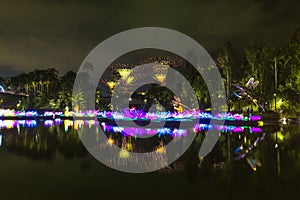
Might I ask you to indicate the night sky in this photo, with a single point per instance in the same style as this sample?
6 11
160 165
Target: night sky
60 33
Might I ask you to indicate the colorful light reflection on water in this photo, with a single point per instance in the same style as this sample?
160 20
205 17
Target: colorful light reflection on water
126 131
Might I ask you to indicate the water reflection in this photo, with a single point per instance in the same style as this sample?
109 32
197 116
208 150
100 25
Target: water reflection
42 140
269 150
273 151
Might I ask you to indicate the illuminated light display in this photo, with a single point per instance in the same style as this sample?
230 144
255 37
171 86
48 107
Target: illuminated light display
129 146
255 129
124 153
111 84
246 153
48 123
160 149
0 139
132 114
2 89
67 124
255 118
251 163
7 124
30 123
124 72
110 141
127 131
133 131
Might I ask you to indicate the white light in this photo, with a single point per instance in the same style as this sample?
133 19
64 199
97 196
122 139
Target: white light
0 139
284 120
276 146
2 89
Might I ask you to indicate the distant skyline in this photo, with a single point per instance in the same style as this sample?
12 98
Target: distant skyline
60 33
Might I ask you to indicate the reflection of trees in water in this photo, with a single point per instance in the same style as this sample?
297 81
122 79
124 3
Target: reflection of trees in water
288 139
42 143
33 143
278 164
70 145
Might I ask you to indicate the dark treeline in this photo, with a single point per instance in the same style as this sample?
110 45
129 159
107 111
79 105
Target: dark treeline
276 68
45 89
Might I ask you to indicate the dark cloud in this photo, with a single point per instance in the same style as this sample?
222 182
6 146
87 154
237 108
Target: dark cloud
60 33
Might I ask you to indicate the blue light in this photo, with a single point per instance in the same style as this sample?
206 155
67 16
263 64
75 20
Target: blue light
2 89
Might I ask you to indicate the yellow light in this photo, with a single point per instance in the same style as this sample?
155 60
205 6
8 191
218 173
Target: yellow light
124 154
76 109
78 124
124 73
111 85
260 123
75 126
110 141
9 113
160 77
160 149
9 124
280 136
129 79
129 146
160 72
67 123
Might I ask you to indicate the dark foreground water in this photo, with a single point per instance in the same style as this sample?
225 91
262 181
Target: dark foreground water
42 160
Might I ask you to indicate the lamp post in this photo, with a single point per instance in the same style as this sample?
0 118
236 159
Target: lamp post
275 108
276 60
275 79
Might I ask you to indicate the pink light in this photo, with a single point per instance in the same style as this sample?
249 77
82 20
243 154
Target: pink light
255 118
255 129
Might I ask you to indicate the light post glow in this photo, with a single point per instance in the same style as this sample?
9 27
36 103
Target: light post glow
275 109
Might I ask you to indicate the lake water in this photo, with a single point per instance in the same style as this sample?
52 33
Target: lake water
47 160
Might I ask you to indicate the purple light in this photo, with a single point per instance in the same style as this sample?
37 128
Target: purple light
238 129
136 114
238 117
255 129
255 118
58 121
48 123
